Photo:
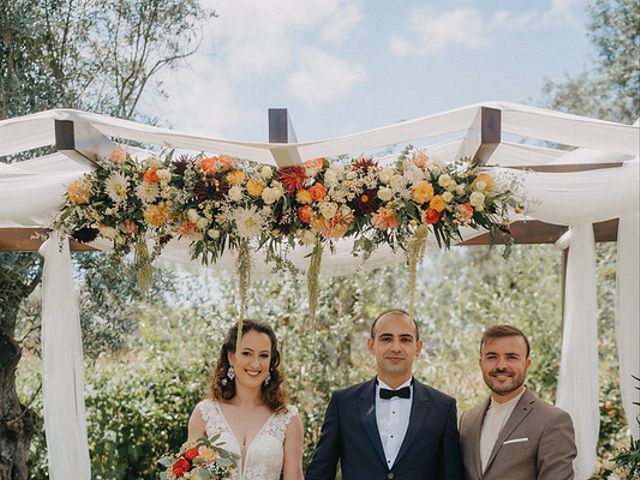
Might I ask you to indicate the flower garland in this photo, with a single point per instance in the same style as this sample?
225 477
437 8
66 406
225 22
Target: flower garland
220 202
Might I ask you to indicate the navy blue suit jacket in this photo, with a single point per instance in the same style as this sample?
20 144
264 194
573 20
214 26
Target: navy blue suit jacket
430 450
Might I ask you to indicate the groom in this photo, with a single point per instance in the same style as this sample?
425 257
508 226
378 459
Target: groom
391 427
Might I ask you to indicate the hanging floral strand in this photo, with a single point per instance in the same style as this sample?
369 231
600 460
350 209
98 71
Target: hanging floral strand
416 248
313 279
243 264
143 266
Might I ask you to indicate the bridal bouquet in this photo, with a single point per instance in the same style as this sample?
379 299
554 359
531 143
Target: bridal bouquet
202 459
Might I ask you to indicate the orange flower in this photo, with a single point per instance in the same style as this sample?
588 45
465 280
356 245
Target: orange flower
304 196
131 227
317 222
432 216
187 228
385 218
337 226
78 192
226 162
315 164
156 215
209 165
318 192
305 214
421 160
151 175
483 180
465 212
437 203
292 177
118 156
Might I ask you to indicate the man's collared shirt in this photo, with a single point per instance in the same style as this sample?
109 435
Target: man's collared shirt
392 416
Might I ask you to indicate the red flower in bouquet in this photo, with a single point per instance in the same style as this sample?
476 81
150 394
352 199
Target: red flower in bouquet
363 165
292 177
180 467
191 454
432 216
305 214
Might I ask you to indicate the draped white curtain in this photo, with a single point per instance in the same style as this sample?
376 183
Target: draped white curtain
63 377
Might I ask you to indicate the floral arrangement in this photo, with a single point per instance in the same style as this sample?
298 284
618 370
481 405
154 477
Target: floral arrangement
202 459
220 202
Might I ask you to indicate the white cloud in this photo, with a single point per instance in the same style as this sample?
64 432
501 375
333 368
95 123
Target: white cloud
505 20
322 77
431 32
338 28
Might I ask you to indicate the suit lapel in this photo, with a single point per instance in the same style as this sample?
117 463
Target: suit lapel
520 412
418 416
367 408
476 430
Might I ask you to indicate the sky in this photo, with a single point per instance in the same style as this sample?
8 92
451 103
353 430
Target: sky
344 66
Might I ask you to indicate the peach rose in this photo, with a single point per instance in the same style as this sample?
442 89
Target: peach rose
421 160
209 165
151 176
305 214
118 156
465 212
187 228
385 218
315 164
226 162
318 192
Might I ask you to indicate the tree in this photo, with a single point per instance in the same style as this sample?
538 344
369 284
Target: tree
611 88
99 56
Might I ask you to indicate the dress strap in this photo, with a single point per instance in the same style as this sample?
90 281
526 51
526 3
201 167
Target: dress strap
211 415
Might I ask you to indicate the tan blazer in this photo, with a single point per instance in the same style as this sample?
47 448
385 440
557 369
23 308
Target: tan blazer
537 442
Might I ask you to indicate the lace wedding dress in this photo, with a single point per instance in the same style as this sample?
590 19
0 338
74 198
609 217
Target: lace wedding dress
263 457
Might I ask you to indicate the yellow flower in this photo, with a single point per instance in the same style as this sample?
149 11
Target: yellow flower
483 182
437 203
156 215
317 222
255 188
79 192
422 192
304 196
235 177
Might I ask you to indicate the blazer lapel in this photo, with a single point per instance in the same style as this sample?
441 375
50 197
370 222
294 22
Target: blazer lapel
476 430
521 410
367 407
418 416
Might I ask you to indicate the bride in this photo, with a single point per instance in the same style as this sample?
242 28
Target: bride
247 406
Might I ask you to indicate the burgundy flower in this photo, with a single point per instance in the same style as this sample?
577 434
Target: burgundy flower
211 189
181 164
85 235
366 202
363 165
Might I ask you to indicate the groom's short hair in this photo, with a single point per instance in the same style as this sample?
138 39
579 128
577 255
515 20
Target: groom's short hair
396 311
499 331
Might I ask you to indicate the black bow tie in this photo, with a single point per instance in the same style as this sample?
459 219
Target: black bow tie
404 392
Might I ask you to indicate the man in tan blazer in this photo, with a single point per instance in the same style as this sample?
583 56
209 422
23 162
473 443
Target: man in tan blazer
514 435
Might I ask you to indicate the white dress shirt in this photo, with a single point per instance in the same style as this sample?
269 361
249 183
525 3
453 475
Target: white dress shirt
494 421
392 416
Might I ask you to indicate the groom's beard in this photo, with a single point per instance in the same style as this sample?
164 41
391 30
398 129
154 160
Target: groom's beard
495 386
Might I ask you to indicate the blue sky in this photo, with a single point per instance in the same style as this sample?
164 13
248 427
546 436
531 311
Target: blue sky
342 66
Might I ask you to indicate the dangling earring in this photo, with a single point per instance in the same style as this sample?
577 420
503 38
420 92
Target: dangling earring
268 379
231 373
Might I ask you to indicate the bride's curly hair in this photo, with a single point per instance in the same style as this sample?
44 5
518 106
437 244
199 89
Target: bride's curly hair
274 394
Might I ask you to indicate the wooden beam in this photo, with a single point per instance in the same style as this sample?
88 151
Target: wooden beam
22 240
81 142
490 132
536 232
280 126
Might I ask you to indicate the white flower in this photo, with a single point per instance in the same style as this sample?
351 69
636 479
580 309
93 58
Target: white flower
330 178
202 223
308 238
116 187
397 181
147 192
248 221
435 165
447 196
385 175
385 194
328 209
444 180
235 193
108 232
163 174
460 190
480 185
452 187
271 194
345 211
213 233
265 172
192 215
477 200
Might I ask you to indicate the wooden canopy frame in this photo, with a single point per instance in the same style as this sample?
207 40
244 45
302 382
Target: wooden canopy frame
83 143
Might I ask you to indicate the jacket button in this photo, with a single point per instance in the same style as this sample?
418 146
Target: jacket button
390 476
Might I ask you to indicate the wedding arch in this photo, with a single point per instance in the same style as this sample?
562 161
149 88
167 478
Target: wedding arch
583 190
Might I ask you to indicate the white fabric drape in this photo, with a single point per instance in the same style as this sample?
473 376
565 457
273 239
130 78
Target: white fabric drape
578 380
63 368
628 316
